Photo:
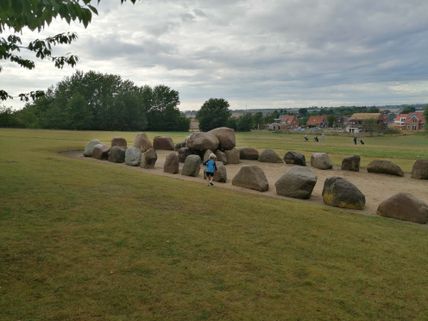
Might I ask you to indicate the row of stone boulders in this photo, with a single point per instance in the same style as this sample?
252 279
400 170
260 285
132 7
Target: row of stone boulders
141 154
192 166
220 141
299 182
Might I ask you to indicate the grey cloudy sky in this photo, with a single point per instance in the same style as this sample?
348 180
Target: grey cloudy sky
256 54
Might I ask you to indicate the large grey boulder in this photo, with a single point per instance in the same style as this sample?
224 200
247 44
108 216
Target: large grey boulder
179 145
100 151
163 143
133 156
295 158
171 164
202 141
251 177
339 192
116 154
221 173
225 136
89 148
384 167
142 142
232 156
221 156
149 158
191 166
351 163
183 152
298 182
420 169
248 153
206 155
119 141
321 161
406 207
269 156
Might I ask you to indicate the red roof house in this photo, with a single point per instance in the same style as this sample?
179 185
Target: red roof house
411 121
415 121
289 121
317 121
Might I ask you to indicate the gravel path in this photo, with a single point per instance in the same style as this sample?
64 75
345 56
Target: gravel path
376 187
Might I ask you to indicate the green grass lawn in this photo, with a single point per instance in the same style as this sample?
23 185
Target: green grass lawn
88 241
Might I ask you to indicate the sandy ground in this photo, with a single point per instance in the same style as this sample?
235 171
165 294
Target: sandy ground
376 187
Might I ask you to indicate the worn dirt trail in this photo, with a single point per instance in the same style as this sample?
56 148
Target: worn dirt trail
376 187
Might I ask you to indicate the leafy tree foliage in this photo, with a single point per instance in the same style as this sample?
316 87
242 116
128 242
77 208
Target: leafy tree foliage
104 102
258 120
7 118
331 119
245 123
213 113
408 110
163 113
15 15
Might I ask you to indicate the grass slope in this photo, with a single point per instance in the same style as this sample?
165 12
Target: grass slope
89 241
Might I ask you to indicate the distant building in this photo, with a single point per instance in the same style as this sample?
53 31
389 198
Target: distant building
194 125
317 121
400 121
359 122
414 121
284 123
289 121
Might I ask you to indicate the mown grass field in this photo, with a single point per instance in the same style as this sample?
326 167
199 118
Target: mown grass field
96 241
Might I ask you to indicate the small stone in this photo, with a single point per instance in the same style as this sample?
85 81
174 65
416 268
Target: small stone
248 153
321 161
251 177
133 156
384 167
163 143
298 182
116 154
295 158
406 207
89 148
149 158
171 164
351 163
339 192
420 169
269 156
119 141
191 166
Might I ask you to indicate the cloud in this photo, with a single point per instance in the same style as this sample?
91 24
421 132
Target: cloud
254 53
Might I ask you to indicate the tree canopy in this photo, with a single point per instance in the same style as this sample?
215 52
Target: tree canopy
213 113
101 102
15 15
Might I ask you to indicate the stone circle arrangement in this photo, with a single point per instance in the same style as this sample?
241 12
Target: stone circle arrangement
298 182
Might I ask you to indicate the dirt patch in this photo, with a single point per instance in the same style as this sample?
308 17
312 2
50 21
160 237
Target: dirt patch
376 187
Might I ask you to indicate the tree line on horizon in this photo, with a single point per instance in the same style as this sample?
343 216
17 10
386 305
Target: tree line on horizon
96 101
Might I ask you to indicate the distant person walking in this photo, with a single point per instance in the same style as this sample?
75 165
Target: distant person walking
355 140
210 169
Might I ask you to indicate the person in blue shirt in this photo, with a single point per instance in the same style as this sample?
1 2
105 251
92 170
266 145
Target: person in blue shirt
210 168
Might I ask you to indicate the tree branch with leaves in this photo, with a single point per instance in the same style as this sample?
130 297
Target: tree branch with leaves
36 15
